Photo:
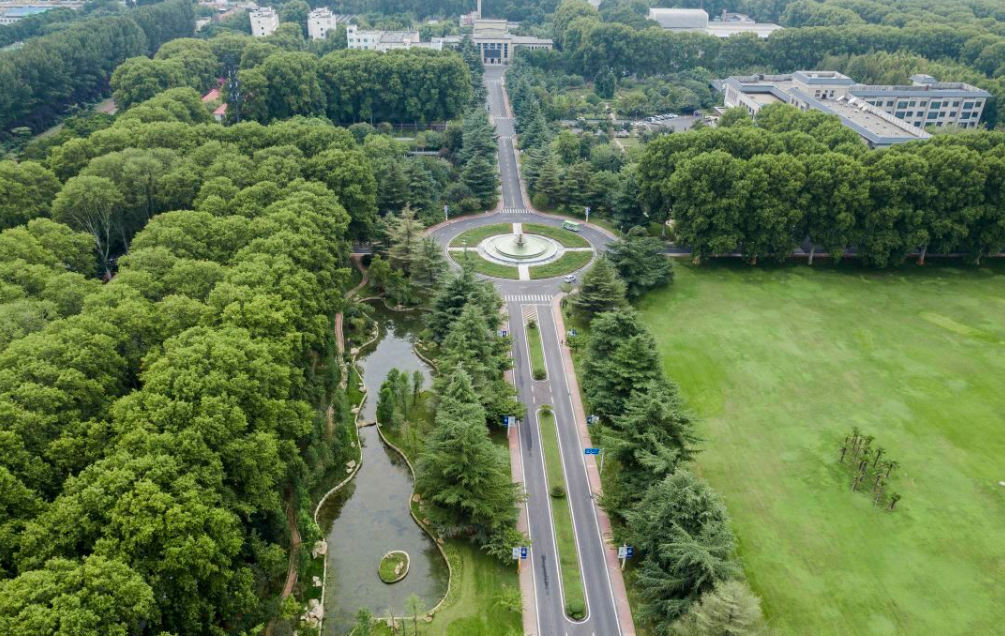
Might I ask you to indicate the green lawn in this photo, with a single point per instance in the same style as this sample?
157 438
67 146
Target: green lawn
566 264
537 364
780 364
479 234
568 556
567 238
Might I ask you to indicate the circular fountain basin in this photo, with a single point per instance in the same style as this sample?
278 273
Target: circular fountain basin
519 249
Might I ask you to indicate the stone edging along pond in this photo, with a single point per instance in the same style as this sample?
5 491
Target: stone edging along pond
359 463
398 577
359 448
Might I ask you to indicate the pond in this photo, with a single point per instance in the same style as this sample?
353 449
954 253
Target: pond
370 516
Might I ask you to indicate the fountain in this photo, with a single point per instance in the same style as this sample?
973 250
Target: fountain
520 248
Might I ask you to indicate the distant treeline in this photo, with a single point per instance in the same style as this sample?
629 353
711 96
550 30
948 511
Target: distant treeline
50 73
624 41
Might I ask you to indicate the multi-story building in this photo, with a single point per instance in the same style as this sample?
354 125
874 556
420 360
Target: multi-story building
881 115
264 21
496 44
319 22
696 20
382 41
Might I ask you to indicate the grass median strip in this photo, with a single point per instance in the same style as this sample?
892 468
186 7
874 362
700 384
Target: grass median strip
567 238
568 263
537 365
479 234
568 556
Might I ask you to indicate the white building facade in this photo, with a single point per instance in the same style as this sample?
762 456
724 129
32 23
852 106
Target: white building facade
264 22
882 115
319 23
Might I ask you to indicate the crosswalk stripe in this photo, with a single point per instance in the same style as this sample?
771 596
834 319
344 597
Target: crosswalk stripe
528 298
515 211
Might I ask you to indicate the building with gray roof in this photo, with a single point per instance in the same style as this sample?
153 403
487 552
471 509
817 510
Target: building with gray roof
882 115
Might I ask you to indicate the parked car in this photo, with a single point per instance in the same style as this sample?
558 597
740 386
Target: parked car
571 278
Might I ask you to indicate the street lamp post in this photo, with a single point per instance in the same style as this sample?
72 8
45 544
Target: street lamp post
587 214
446 213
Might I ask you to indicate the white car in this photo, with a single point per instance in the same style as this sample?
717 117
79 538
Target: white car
571 278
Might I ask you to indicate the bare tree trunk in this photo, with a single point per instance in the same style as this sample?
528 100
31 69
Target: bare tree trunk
879 495
844 449
813 249
696 260
924 251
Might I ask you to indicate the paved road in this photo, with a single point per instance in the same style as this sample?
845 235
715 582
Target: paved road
535 297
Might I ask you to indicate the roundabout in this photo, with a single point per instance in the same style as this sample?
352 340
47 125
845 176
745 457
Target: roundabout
520 251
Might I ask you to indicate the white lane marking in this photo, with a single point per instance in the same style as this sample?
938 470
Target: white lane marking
596 518
530 536
524 270
518 228
528 298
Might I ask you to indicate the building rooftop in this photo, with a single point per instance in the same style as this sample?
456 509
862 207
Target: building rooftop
212 95
20 12
679 18
726 29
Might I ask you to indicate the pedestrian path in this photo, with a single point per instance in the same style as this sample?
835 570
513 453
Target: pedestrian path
528 298
515 211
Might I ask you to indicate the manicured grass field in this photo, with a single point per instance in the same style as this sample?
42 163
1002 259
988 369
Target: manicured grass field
488 268
568 556
567 238
538 367
780 364
566 264
479 234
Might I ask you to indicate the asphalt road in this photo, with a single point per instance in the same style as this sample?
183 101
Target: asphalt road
535 296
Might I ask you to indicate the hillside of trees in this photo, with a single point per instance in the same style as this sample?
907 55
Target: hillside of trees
51 73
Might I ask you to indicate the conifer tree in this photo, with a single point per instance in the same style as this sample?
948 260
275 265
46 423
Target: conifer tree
601 289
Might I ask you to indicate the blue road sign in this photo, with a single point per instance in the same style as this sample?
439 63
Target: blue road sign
630 552
523 552
592 451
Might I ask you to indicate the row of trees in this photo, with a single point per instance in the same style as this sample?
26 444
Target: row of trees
762 188
564 170
348 86
688 574
629 44
151 424
462 477
47 75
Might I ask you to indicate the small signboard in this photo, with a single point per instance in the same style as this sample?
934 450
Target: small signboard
502 333
516 554
523 552
592 451
623 552
629 551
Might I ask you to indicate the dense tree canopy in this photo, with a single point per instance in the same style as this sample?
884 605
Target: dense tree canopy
51 72
762 189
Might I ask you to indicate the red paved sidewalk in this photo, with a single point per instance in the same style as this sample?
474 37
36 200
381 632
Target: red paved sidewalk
593 472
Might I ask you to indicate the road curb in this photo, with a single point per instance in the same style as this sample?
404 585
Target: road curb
593 474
